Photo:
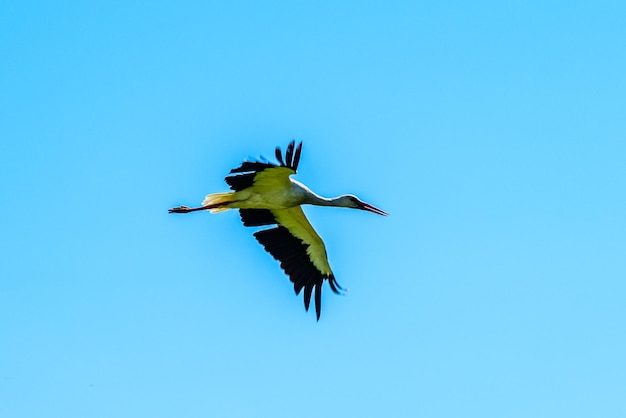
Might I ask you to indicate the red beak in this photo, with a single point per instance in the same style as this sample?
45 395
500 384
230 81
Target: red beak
373 209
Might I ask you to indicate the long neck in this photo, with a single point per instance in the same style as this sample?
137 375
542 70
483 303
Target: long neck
315 199
312 198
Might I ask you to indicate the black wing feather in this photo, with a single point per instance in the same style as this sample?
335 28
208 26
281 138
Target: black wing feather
244 174
289 154
307 297
256 217
318 300
249 169
294 260
256 166
279 156
240 182
296 158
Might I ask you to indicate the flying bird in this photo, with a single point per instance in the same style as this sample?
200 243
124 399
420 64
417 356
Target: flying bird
265 195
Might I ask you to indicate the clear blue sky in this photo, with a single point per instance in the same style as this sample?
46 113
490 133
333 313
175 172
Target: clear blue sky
492 132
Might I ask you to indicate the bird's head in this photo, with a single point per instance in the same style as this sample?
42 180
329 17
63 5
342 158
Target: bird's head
351 201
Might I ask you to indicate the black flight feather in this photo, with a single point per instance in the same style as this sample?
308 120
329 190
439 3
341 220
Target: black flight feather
279 156
294 260
308 289
246 172
250 169
296 158
289 154
257 217
318 300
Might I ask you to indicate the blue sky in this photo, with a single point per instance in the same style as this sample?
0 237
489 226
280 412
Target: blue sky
492 132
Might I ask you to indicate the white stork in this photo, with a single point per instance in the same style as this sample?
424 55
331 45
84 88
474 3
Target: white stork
266 195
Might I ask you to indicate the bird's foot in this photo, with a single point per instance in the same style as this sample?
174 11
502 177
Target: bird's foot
179 209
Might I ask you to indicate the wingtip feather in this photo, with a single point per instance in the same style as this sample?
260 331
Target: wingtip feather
289 154
296 157
279 156
308 289
335 287
318 300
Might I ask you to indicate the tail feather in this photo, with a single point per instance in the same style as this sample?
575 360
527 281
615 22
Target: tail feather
218 201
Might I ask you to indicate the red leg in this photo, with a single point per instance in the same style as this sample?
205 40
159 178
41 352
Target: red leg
185 209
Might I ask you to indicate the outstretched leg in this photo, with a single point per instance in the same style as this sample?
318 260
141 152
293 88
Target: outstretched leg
185 209
216 201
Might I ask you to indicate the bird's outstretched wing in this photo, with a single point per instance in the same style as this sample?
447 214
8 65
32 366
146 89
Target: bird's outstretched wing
298 248
248 172
293 241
